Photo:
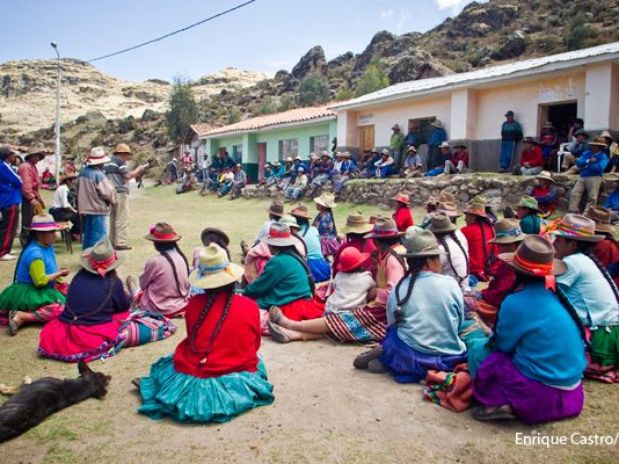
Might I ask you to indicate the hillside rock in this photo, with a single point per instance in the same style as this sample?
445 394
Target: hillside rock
313 61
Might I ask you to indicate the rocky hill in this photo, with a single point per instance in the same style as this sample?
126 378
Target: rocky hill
481 35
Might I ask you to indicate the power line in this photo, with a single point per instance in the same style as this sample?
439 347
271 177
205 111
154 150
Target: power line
178 31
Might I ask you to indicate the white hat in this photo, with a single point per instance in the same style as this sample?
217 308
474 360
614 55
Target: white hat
444 145
97 156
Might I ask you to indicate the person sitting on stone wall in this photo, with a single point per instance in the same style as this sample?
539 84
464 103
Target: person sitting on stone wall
295 192
343 172
413 167
385 166
366 166
322 173
459 162
440 160
545 192
531 159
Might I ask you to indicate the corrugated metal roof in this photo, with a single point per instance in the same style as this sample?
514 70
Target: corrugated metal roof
297 115
406 89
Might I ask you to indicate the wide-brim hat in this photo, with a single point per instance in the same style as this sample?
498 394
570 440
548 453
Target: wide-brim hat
43 223
599 141
574 227
326 200
289 221
535 257
123 148
357 224
384 228
214 269
280 236
602 218
476 207
402 198
441 224
421 244
444 145
507 231
449 208
545 175
325 154
395 126
162 232
276 209
606 133
411 149
300 211
97 156
351 259
215 231
528 202
40 150
345 154
101 258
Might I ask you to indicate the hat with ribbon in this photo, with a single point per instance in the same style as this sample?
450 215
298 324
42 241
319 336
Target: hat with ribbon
96 157
280 236
384 228
535 257
528 202
574 227
289 221
123 148
214 269
276 209
300 211
420 244
402 198
357 224
441 224
162 232
477 207
602 218
326 200
351 259
101 258
43 223
507 231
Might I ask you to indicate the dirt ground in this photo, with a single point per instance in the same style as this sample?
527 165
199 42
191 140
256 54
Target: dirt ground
324 410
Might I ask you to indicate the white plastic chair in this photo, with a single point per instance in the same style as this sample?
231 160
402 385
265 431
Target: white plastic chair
560 154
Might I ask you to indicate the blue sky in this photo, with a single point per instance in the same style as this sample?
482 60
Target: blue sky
267 35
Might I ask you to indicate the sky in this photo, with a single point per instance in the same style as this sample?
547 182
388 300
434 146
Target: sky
267 35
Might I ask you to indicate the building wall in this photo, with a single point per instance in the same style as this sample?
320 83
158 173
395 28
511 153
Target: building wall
614 99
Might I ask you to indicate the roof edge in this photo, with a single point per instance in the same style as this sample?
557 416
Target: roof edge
269 127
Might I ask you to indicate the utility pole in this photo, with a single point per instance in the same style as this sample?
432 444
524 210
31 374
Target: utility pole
57 173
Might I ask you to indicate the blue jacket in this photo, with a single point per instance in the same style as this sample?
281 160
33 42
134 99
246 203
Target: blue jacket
10 186
612 202
592 169
437 136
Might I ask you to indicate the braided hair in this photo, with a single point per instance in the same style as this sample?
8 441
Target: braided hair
587 249
415 265
162 248
441 239
210 301
385 244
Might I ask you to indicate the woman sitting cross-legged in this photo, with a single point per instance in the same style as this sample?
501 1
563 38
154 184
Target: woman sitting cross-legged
37 294
164 288
535 372
96 321
425 314
365 323
320 267
215 373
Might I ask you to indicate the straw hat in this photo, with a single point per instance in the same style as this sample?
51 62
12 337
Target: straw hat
574 227
325 154
436 123
326 200
214 269
122 148
276 209
545 175
606 133
535 257
297 158
422 243
444 145
374 150
162 232
39 150
599 141
357 224
345 154
528 202
276 163
477 207
411 149
507 231
289 221
279 236
384 228
351 259
300 211
101 258
96 157
215 231
384 151
602 218
402 198
441 224
43 223
449 208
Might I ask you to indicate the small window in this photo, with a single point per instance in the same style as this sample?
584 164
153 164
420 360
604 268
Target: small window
424 128
237 154
288 148
319 143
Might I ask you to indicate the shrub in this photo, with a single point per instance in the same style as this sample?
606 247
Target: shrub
313 89
183 109
373 79
575 33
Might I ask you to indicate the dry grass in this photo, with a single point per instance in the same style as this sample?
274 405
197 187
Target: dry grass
325 411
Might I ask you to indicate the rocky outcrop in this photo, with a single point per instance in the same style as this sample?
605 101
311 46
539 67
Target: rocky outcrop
313 61
511 46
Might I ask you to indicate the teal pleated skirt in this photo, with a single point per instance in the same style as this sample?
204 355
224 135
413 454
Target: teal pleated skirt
186 398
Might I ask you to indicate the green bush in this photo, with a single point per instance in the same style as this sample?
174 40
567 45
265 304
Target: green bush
183 109
372 80
575 33
313 89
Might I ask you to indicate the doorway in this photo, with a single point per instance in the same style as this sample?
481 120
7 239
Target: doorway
561 115
366 138
262 159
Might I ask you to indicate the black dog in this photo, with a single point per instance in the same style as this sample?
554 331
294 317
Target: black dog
35 402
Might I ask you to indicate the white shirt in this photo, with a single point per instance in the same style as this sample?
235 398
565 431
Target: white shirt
61 197
458 259
350 290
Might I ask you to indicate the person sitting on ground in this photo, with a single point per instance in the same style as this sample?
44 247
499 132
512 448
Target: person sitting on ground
211 235
346 171
531 159
286 279
239 181
325 223
590 290
48 181
355 230
527 212
62 208
225 182
545 192
402 214
385 166
454 249
413 167
612 202
163 285
295 191
276 211
215 373
440 160
352 286
37 294
574 149
425 313
96 321
459 162
535 372
363 324
319 266
486 303
478 231
591 166
607 250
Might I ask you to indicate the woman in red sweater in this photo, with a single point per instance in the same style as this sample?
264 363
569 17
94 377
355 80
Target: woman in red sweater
402 215
215 373
478 231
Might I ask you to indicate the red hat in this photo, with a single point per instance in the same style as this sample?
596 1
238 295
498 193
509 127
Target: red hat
351 258
402 198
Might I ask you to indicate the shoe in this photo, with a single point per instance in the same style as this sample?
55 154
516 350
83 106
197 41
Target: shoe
13 326
123 248
277 333
136 382
500 413
363 360
376 367
7 257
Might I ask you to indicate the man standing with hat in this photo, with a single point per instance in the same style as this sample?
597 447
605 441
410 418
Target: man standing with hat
10 199
118 173
95 195
591 164
511 134
32 203
396 144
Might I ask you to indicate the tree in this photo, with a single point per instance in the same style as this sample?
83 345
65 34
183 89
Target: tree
373 79
287 103
234 116
344 94
575 33
313 89
267 106
183 109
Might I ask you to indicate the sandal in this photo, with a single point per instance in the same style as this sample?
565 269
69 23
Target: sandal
362 361
13 326
275 314
278 334
500 413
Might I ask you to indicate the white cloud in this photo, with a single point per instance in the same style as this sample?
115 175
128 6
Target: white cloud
386 13
454 6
